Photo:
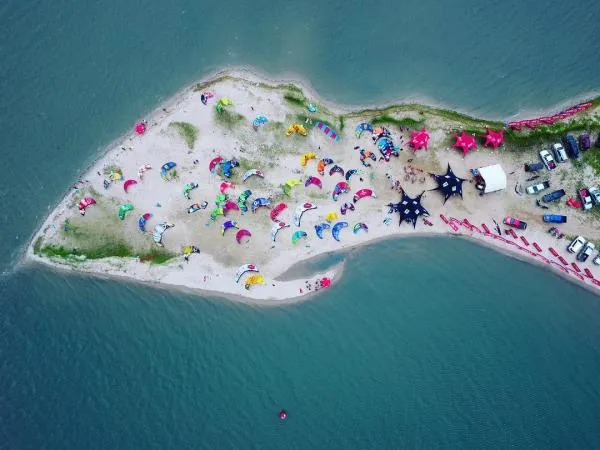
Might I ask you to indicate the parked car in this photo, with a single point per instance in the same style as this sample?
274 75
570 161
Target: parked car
595 193
585 141
585 252
548 160
586 198
572 146
577 244
554 218
559 152
598 141
534 189
534 167
597 260
514 222
555 195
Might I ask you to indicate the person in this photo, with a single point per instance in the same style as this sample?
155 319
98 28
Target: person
187 258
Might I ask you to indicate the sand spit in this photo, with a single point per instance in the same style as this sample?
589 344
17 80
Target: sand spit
192 134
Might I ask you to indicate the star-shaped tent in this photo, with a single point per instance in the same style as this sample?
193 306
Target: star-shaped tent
449 184
409 208
466 142
419 139
493 138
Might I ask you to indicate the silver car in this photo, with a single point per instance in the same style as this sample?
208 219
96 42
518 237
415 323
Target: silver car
577 244
559 152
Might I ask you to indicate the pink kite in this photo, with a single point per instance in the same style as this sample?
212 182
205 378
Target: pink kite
466 142
493 138
240 234
128 183
140 127
213 163
84 203
419 139
226 185
325 282
230 205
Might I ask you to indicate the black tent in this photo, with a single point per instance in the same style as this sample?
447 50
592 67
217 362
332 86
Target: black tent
449 184
409 208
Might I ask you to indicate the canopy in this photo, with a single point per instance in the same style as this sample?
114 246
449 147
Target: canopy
448 184
409 208
224 101
361 127
493 138
493 177
466 142
419 139
327 130
296 128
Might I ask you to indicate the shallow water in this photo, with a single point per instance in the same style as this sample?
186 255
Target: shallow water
468 348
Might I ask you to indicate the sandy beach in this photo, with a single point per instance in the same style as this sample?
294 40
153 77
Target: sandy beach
193 134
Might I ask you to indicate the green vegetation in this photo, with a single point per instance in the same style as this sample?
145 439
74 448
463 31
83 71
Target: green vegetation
106 250
71 230
274 126
295 97
159 256
187 131
228 118
404 122
112 168
341 119
37 245
171 175
554 132
592 159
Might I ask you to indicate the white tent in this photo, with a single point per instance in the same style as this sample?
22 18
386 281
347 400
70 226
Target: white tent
493 177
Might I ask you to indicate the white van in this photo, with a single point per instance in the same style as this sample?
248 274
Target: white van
559 152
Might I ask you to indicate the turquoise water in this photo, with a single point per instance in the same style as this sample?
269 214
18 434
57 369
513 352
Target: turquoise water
424 343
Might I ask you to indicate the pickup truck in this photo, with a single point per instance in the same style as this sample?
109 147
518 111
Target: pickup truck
514 222
534 167
586 198
555 195
548 160
577 244
585 252
554 218
534 189
595 193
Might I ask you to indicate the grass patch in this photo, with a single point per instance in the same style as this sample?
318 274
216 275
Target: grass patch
108 250
342 124
547 133
37 245
187 131
70 230
229 118
111 168
591 157
295 98
159 256
273 126
404 122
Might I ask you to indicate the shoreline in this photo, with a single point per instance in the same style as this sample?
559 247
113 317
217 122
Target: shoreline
239 82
